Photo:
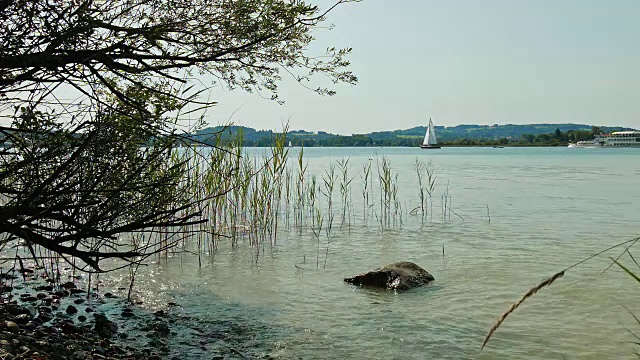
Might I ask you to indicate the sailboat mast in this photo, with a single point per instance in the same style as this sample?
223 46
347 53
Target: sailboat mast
430 141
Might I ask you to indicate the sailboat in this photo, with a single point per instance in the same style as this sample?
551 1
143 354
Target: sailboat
430 141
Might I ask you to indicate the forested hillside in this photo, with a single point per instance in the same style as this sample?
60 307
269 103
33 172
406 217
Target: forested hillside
463 135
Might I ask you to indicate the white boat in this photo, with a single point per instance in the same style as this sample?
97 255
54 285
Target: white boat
616 139
430 141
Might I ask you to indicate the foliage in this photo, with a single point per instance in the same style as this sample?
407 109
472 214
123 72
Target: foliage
99 95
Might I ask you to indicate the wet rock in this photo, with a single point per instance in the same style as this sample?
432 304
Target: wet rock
171 304
69 328
11 326
82 318
22 319
89 310
78 355
68 285
127 313
109 295
78 301
44 288
47 301
161 327
17 310
45 318
61 294
402 275
71 310
41 296
99 350
105 327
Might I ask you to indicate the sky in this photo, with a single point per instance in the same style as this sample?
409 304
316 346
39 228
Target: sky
464 62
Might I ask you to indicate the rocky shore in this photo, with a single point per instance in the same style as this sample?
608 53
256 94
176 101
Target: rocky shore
40 319
60 322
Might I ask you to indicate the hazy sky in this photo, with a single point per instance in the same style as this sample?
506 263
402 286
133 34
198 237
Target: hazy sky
466 62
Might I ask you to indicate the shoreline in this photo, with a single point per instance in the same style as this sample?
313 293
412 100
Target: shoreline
43 320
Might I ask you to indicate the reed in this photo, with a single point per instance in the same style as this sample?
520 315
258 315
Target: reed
552 279
385 181
316 232
329 180
517 304
247 199
300 188
365 177
420 168
345 192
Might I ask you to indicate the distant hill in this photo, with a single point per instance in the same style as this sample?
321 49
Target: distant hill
491 132
460 135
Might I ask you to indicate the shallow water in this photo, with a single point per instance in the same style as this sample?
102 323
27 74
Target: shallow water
548 208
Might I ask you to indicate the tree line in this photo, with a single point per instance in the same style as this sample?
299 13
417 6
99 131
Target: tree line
253 138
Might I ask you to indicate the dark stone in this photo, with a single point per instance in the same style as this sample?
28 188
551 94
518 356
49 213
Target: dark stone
104 327
17 310
402 275
69 328
45 318
11 326
44 288
127 314
109 295
78 301
68 285
162 328
71 310
82 318
22 318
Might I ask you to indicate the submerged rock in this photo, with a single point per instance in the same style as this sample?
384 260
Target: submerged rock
402 275
104 327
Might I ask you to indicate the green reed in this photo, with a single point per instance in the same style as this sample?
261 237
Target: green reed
388 194
425 175
345 192
365 177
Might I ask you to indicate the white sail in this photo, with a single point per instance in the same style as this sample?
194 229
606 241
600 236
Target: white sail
430 137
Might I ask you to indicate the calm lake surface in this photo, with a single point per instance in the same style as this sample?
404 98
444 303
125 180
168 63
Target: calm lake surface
548 208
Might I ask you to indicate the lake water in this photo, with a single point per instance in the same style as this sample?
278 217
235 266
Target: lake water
548 208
